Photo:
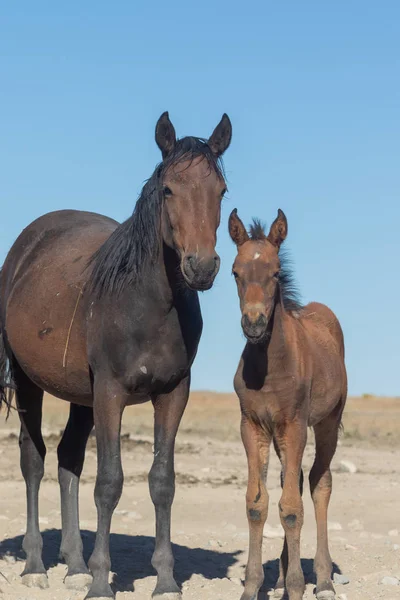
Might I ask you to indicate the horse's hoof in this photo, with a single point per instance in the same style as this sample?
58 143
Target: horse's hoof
279 592
38 580
326 595
79 581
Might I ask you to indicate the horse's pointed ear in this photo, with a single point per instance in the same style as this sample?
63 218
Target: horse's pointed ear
279 228
165 135
237 230
221 136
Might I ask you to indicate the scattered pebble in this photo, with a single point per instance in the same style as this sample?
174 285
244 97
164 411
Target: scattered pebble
342 597
133 515
334 526
11 560
350 547
389 581
396 546
274 532
340 579
355 525
393 532
346 466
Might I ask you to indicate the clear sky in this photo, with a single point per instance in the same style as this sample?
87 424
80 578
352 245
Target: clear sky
313 92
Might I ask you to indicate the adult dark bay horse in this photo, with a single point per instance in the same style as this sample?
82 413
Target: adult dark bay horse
291 375
104 316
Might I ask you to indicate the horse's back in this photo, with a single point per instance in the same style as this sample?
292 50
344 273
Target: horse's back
321 318
41 308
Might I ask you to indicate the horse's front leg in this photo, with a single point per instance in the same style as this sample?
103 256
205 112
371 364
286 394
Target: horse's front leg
168 411
109 402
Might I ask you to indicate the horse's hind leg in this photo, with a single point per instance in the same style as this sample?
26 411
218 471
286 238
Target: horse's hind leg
29 401
326 434
71 455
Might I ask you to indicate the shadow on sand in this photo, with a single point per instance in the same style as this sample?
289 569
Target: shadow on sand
131 557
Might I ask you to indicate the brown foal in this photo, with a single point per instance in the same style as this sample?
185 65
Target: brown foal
291 375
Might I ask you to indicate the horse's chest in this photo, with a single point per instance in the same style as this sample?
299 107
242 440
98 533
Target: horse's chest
153 360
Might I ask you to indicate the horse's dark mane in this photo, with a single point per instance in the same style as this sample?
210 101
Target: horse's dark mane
289 291
137 242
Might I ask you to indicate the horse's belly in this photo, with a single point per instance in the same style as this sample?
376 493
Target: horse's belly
49 342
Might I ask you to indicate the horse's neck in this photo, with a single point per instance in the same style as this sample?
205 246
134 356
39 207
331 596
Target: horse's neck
278 347
164 282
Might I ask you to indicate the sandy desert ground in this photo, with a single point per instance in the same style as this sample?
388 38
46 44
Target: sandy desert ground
209 522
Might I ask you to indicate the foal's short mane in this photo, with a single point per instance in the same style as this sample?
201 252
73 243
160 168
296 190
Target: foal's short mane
289 290
136 243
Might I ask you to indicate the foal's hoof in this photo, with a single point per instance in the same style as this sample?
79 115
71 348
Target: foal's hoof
38 580
279 592
79 581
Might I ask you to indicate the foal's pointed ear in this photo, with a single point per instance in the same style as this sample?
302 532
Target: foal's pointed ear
279 228
237 230
221 136
165 135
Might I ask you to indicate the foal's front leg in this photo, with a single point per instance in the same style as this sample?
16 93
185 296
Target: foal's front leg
291 440
109 403
168 411
256 444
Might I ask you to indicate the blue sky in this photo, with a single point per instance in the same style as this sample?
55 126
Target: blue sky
313 92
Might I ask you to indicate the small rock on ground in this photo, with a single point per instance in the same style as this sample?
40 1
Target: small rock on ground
346 466
274 532
340 579
389 581
334 526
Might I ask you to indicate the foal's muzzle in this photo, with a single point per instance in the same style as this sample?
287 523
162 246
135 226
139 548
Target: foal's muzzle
200 271
255 330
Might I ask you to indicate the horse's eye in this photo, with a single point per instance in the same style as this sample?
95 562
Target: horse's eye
276 275
234 273
167 191
223 192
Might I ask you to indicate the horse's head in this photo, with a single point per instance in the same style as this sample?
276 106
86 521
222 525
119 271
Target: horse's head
256 270
193 186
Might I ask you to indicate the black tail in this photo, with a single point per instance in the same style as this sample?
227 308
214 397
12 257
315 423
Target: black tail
7 384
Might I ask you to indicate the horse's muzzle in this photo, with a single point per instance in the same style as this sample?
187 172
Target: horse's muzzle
200 271
255 330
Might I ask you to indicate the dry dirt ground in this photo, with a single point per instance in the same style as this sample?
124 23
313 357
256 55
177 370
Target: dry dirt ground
209 524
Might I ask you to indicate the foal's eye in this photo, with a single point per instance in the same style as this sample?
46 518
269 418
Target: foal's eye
167 191
223 192
276 275
235 274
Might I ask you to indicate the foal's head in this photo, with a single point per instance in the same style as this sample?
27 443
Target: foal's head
256 270
193 186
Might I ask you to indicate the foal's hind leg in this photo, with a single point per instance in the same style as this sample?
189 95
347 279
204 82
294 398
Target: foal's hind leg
326 434
168 411
29 401
71 455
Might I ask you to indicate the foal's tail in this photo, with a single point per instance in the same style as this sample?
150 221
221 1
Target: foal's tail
7 384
